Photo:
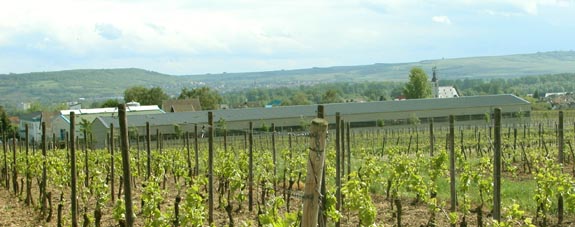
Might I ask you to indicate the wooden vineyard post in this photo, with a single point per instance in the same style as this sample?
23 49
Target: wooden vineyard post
188 157
44 174
158 140
126 164
497 166
112 170
342 147
14 170
274 156
148 151
54 144
323 217
196 157
348 144
311 197
251 167
5 169
211 168
73 196
431 138
28 199
337 165
452 164
86 167
560 160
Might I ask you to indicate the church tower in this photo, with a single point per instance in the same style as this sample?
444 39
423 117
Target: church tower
435 83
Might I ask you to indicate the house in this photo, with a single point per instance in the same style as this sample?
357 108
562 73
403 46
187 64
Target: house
469 110
34 122
182 105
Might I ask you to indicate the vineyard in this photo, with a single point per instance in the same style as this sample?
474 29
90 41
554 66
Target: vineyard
495 174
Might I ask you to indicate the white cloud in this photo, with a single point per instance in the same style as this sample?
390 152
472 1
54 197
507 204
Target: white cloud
108 31
441 19
242 33
502 13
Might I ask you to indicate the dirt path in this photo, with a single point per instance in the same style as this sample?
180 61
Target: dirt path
15 213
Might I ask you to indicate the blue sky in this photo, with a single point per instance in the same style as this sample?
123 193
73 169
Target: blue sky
212 36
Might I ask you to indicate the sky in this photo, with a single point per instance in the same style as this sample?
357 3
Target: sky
183 37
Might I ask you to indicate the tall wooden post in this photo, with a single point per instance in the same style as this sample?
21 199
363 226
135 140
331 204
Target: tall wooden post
497 166
561 144
337 165
274 155
149 151
188 156
311 197
197 165
126 164
452 164
112 169
14 170
342 147
251 167
348 145
44 173
5 169
28 199
431 138
210 168
74 197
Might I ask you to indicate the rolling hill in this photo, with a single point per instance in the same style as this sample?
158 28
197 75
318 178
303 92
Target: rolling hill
97 84
457 68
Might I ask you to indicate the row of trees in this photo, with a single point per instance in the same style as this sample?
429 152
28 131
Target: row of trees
209 99
418 86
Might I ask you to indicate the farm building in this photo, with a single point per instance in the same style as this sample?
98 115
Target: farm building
61 123
467 110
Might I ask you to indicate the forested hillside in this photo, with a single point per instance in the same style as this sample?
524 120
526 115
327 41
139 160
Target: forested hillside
372 91
472 76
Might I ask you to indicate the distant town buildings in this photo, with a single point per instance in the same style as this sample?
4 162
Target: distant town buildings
182 105
23 106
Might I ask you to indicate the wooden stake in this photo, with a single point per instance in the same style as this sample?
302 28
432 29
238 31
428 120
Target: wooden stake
251 167
452 164
149 151
497 166
210 168
337 164
126 164
311 197
112 169
73 196
561 144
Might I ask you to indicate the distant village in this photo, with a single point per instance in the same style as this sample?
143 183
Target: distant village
557 100
176 115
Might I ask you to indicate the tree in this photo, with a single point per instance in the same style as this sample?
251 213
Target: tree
330 96
299 98
209 99
536 94
418 86
4 121
35 107
110 103
152 96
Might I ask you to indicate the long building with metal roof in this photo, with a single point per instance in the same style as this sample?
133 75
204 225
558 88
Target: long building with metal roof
469 109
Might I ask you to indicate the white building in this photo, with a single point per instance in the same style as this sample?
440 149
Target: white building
441 91
34 122
61 123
